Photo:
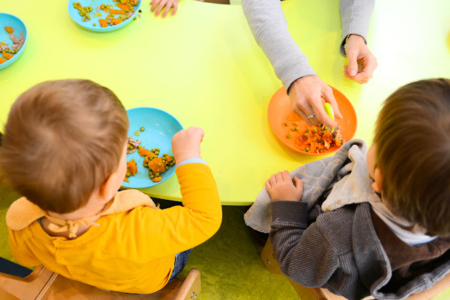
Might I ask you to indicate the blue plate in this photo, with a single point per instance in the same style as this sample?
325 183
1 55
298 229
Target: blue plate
89 25
18 25
160 127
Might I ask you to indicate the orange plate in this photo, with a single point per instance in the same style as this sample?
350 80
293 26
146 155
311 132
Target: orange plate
280 110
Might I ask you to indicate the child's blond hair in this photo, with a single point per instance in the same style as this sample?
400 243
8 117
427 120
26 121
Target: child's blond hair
62 140
413 153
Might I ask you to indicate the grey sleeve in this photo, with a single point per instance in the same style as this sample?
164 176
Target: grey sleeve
269 27
355 18
303 252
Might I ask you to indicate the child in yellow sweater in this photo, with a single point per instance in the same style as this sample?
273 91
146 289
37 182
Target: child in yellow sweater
64 150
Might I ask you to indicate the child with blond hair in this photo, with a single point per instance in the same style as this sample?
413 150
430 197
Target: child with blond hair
64 150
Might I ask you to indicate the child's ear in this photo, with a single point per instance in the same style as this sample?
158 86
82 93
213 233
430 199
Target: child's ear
107 189
378 181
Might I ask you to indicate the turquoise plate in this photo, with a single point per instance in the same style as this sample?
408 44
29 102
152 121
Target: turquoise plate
89 25
18 25
160 127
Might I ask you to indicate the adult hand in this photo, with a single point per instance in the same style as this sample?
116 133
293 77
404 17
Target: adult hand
281 187
168 4
186 144
306 95
361 62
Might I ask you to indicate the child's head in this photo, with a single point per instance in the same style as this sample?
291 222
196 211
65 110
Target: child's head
63 140
410 157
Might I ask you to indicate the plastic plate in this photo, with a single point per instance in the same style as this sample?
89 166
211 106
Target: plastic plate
18 25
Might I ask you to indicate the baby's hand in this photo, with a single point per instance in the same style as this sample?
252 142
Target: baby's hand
281 187
186 144
164 3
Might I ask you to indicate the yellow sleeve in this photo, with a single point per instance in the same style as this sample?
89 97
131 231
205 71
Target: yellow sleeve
23 257
164 232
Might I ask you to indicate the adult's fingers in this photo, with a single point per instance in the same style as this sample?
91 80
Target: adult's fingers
305 110
329 97
369 67
352 57
160 7
321 114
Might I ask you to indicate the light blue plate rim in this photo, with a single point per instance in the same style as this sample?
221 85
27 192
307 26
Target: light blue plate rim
151 183
102 29
18 54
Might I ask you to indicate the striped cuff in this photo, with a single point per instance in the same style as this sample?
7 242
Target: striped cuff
192 161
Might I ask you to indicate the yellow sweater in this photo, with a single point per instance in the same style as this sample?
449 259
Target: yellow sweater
132 251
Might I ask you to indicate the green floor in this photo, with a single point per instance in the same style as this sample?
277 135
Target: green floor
229 262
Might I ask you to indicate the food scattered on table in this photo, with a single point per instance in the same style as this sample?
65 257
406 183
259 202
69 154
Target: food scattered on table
132 145
8 52
131 169
125 12
312 139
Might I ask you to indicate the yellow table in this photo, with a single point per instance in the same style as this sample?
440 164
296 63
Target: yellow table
204 67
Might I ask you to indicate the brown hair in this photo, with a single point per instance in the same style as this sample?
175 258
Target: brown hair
62 141
413 153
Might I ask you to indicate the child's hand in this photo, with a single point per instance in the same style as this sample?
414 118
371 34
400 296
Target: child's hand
186 144
164 3
281 187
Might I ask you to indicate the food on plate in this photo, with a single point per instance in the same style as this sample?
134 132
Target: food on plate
132 145
8 52
312 139
131 169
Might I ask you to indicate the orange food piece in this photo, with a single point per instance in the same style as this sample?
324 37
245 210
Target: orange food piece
103 23
145 152
116 21
157 166
7 56
157 179
126 179
132 167
123 6
2 60
117 12
9 29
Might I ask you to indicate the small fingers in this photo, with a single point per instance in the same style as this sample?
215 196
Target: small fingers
175 8
279 177
298 184
154 4
166 10
286 176
268 185
272 180
160 7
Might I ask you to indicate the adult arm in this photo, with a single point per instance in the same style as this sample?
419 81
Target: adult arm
269 27
355 16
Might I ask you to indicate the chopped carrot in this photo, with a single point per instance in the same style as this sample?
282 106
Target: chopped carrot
132 167
2 60
117 12
126 179
9 29
145 152
116 21
123 6
7 56
157 179
103 23
157 166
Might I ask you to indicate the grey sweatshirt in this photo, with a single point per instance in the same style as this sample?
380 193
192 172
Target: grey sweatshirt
269 26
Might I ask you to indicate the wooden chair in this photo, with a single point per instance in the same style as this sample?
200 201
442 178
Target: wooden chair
305 293
42 284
